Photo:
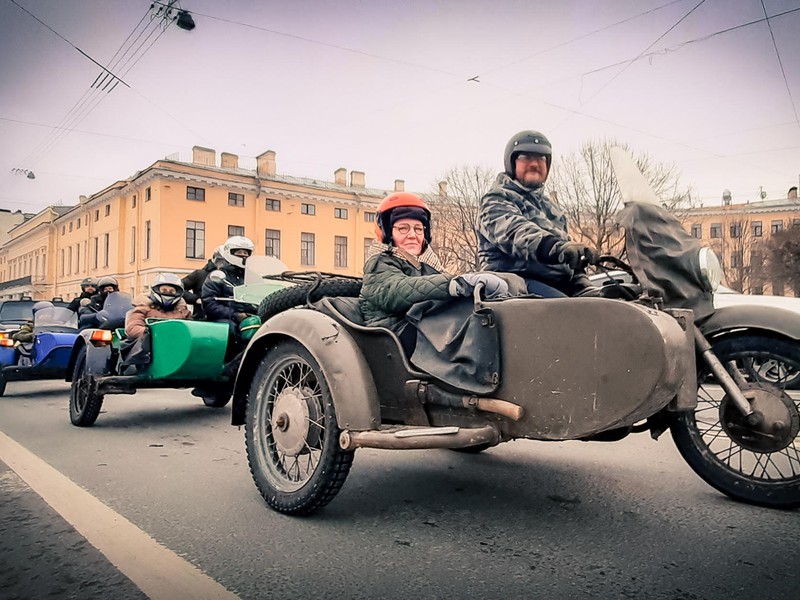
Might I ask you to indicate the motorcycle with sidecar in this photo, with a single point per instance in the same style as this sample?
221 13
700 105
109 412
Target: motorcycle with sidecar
176 353
316 384
54 331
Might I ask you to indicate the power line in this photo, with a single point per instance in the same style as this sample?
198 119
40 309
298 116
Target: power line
780 62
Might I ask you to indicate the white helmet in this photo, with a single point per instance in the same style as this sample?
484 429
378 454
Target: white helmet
237 242
166 300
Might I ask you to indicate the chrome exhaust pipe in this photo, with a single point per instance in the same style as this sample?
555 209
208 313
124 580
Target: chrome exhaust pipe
410 438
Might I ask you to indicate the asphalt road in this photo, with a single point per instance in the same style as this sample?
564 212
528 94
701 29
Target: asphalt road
523 520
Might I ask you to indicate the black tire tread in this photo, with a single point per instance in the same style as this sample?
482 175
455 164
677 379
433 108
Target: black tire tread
296 295
91 410
333 469
698 455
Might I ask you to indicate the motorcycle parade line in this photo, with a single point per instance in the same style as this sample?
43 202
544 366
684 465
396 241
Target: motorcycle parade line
157 571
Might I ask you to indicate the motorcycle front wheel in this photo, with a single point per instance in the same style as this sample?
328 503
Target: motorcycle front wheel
758 464
291 434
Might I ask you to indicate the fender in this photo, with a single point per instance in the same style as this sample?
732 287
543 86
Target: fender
96 356
355 396
775 320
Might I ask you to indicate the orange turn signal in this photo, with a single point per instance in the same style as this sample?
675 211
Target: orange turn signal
101 335
7 342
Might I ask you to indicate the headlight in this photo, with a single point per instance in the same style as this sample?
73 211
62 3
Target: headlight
710 268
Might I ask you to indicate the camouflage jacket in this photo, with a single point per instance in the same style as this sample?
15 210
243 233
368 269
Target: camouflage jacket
394 281
517 228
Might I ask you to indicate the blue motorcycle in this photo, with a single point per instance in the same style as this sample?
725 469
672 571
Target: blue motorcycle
46 357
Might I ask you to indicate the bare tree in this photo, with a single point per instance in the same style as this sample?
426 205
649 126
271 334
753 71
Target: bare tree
584 186
454 206
739 247
783 260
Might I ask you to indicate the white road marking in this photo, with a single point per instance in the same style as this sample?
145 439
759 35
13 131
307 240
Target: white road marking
156 570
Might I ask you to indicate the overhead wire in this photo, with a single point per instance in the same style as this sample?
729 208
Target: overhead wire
124 59
780 62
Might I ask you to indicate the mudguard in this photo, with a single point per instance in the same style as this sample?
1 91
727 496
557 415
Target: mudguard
96 356
344 367
764 318
53 348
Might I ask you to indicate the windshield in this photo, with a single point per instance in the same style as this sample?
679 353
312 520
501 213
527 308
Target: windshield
116 305
55 317
16 311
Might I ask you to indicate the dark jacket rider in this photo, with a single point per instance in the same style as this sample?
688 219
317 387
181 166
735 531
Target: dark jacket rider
233 255
193 285
88 289
520 230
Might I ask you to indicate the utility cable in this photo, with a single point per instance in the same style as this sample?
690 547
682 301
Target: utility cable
780 62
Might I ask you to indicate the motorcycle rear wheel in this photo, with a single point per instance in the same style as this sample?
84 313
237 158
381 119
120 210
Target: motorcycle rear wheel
758 465
84 401
291 434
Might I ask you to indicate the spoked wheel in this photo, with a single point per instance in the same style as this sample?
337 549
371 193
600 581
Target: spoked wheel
773 371
84 401
760 463
291 433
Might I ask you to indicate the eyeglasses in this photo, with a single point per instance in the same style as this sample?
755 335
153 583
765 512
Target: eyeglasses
531 157
406 229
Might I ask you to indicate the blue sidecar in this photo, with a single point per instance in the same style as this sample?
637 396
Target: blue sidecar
46 357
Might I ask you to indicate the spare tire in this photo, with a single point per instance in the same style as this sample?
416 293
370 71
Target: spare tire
297 295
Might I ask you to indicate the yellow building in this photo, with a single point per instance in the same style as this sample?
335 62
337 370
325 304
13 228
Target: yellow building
738 233
173 214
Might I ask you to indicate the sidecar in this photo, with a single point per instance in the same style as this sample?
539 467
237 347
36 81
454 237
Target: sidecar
316 383
183 353
55 330
176 353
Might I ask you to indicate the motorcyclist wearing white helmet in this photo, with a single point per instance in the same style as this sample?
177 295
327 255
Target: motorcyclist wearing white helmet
233 255
163 302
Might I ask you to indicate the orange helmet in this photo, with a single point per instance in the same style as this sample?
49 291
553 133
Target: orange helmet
384 221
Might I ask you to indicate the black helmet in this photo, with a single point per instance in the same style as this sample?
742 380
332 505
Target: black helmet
527 141
87 282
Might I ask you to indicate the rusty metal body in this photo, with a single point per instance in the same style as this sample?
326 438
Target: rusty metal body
570 369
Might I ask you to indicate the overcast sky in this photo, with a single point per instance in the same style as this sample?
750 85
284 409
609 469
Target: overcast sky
384 87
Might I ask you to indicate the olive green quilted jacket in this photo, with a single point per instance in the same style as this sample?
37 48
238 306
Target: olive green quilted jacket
394 281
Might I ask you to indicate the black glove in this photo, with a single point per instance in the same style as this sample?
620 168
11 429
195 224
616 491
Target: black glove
572 254
238 317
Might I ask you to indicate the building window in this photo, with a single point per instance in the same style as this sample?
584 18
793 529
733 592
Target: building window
736 230
63 230
776 227
108 209
69 260
757 229
77 259
340 213
78 224
235 230
195 193
235 199
367 245
195 239
70 227
273 204
307 249
147 239
777 287
308 209
63 261
133 201
716 230
272 239
147 195
795 223
133 243
97 215
757 289
697 230
96 254
339 251
369 217
736 259
106 248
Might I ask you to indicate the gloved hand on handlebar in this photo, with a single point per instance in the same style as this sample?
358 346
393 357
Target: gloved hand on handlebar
493 286
572 254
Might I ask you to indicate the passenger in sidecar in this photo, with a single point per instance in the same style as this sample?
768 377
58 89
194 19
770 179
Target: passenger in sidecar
42 351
